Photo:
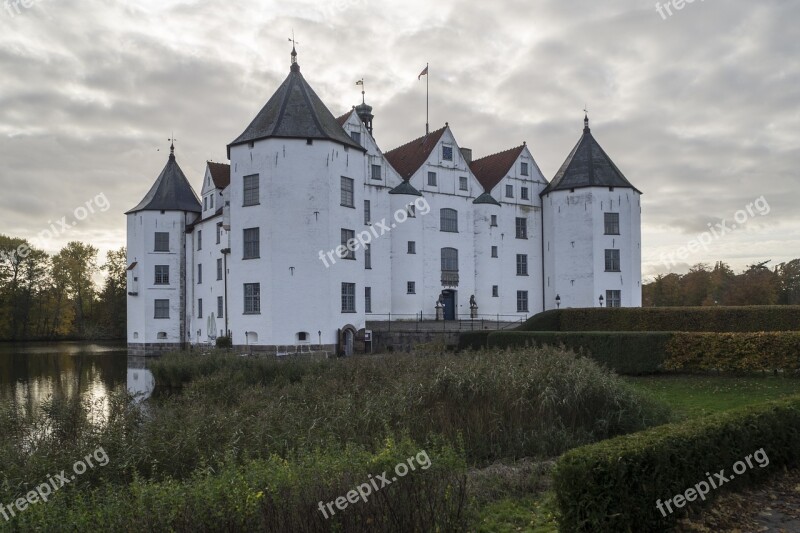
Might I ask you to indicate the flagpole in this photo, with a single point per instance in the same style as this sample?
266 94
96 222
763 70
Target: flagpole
427 99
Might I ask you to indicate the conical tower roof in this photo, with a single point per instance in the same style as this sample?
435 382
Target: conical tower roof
170 192
588 166
295 112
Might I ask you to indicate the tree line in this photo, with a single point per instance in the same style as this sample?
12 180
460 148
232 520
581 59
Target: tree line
720 285
45 296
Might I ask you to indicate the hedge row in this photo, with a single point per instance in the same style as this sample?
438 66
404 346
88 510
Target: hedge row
276 495
614 485
700 319
625 353
637 353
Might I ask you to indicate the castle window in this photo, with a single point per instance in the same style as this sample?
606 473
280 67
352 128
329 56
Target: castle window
211 201
349 242
524 193
411 209
368 257
522 265
199 239
412 247
447 153
162 275
376 172
302 336
199 308
220 307
162 242
522 301
219 232
347 197
367 212
356 136
493 222
205 203
612 261
494 251
161 309
448 220
613 298
522 228
252 298
348 297
449 260
432 179
463 184
250 190
509 191
219 269
495 291
524 169
611 223
252 245
367 299
411 287
162 335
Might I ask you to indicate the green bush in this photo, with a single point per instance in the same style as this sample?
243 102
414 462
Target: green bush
624 353
701 319
613 486
276 495
733 352
473 340
224 342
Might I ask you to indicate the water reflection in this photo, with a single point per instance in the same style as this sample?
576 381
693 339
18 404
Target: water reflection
31 373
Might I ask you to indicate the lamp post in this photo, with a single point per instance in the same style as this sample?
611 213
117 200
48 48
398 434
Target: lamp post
601 300
558 301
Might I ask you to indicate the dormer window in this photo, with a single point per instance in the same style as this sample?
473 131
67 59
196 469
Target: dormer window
356 136
447 153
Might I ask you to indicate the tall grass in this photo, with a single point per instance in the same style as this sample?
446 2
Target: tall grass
221 413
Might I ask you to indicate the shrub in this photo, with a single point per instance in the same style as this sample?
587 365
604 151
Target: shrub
473 340
224 342
624 353
734 352
277 495
702 319
613 486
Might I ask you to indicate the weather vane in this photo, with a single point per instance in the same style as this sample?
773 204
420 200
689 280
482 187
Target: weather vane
172 144
363 89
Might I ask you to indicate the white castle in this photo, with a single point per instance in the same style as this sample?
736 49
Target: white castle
312 231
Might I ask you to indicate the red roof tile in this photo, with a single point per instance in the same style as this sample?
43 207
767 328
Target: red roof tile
341 120
220 173
407 159
490 170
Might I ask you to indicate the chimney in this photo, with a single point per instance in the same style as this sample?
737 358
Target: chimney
467 153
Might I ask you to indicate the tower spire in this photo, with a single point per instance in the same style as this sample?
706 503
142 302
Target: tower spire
295 67
586 128
172 146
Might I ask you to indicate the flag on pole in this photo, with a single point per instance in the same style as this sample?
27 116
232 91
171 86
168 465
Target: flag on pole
423 73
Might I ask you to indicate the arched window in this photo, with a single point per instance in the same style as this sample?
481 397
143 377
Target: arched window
448 220
449 260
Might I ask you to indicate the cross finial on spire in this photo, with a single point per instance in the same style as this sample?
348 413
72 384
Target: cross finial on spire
172 145
294 49
363 90
586 118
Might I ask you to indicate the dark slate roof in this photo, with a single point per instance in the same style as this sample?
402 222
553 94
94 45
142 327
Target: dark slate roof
170 192
405 188
491 169
407 159
588 166
486 198
220 173
295 112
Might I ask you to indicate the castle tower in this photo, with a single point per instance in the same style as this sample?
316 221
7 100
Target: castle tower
592 232
157 262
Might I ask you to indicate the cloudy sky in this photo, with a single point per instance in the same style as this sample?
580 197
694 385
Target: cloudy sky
699 109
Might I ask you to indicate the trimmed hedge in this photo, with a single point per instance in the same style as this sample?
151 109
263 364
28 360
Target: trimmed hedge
613 486
473 340
701 319
625 353
733 352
